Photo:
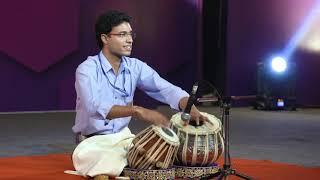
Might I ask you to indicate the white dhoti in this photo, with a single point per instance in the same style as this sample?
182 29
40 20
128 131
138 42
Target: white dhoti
103 154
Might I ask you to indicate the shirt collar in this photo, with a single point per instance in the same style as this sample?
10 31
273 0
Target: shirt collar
107 66
124 64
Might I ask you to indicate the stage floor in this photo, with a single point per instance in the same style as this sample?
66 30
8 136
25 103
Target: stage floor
280 136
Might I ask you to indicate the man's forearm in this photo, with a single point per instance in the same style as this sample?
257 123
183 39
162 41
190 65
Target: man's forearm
121 111
183 103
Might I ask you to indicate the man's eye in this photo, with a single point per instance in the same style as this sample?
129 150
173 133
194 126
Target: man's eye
122 34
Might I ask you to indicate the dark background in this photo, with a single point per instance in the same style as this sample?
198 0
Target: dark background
42 43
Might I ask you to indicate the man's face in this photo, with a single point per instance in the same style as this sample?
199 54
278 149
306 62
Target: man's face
119 40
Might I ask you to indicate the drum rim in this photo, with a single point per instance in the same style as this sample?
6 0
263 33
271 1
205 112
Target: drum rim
171 140
188 130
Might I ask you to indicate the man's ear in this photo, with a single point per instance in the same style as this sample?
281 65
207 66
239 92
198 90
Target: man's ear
104 38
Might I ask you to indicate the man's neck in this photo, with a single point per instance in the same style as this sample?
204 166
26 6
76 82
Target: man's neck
113 60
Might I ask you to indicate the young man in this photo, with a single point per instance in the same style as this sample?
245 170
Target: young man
105 86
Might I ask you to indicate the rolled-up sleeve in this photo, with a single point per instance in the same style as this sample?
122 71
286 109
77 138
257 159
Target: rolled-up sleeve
158 88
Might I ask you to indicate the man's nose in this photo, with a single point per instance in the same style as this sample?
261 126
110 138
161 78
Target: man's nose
129 39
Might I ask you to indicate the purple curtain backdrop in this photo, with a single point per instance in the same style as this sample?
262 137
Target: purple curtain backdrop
256 30
42 43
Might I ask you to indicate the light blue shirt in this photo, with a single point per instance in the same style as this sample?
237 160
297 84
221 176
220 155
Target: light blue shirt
99 88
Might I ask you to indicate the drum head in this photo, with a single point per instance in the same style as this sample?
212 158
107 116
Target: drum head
167 134
213 126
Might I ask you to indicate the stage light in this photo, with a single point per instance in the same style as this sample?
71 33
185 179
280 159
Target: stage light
276 85
279 64
277 90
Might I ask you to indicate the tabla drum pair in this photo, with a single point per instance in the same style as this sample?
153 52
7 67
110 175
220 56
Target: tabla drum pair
192 147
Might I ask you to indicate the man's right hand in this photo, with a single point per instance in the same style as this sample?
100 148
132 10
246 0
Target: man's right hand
151 116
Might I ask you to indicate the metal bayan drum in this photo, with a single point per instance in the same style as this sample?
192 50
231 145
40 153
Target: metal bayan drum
154 148
199 145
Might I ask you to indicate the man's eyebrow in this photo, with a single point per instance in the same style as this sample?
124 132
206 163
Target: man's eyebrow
125 32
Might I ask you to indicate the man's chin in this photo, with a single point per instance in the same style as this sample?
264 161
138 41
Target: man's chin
126 53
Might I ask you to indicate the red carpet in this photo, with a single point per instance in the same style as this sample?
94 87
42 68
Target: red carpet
51 167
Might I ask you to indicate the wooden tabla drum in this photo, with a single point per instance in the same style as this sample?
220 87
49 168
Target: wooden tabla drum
199 145
153 148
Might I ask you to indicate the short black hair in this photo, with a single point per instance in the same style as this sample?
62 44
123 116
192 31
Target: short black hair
107 21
